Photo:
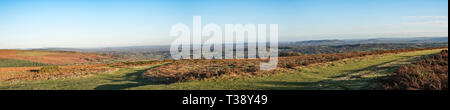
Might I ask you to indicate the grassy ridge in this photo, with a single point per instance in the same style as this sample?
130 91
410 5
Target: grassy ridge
356 73
19 63
352 74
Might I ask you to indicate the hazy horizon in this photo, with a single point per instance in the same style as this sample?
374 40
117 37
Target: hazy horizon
100 47
28 24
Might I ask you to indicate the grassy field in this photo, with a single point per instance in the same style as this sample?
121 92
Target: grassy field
34 53
348 74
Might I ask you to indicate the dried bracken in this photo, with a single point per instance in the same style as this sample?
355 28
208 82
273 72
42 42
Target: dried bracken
430 73
192 69
48 72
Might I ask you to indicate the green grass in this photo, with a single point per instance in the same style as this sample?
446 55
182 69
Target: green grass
123 76
18 63
33 53
347 74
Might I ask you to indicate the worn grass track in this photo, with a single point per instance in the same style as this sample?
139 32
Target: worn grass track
348 74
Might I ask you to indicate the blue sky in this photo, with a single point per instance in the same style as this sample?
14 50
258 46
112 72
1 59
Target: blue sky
104 23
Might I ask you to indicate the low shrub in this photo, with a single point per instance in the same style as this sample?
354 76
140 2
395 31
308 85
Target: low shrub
49 69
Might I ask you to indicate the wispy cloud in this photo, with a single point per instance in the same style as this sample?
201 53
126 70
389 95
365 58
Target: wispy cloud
427 17
386 34
409 26
441 21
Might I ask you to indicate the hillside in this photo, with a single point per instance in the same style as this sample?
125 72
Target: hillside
312 67
344 74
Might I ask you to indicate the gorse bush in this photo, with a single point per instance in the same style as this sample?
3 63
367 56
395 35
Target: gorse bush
430 73
49 69
139 63
135 63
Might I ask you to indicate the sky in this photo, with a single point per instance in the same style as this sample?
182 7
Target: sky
111 23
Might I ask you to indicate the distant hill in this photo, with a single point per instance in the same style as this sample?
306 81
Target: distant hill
374 41
116 49
305 47
162 48
59 49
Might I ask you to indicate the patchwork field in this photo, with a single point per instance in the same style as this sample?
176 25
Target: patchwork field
346 73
